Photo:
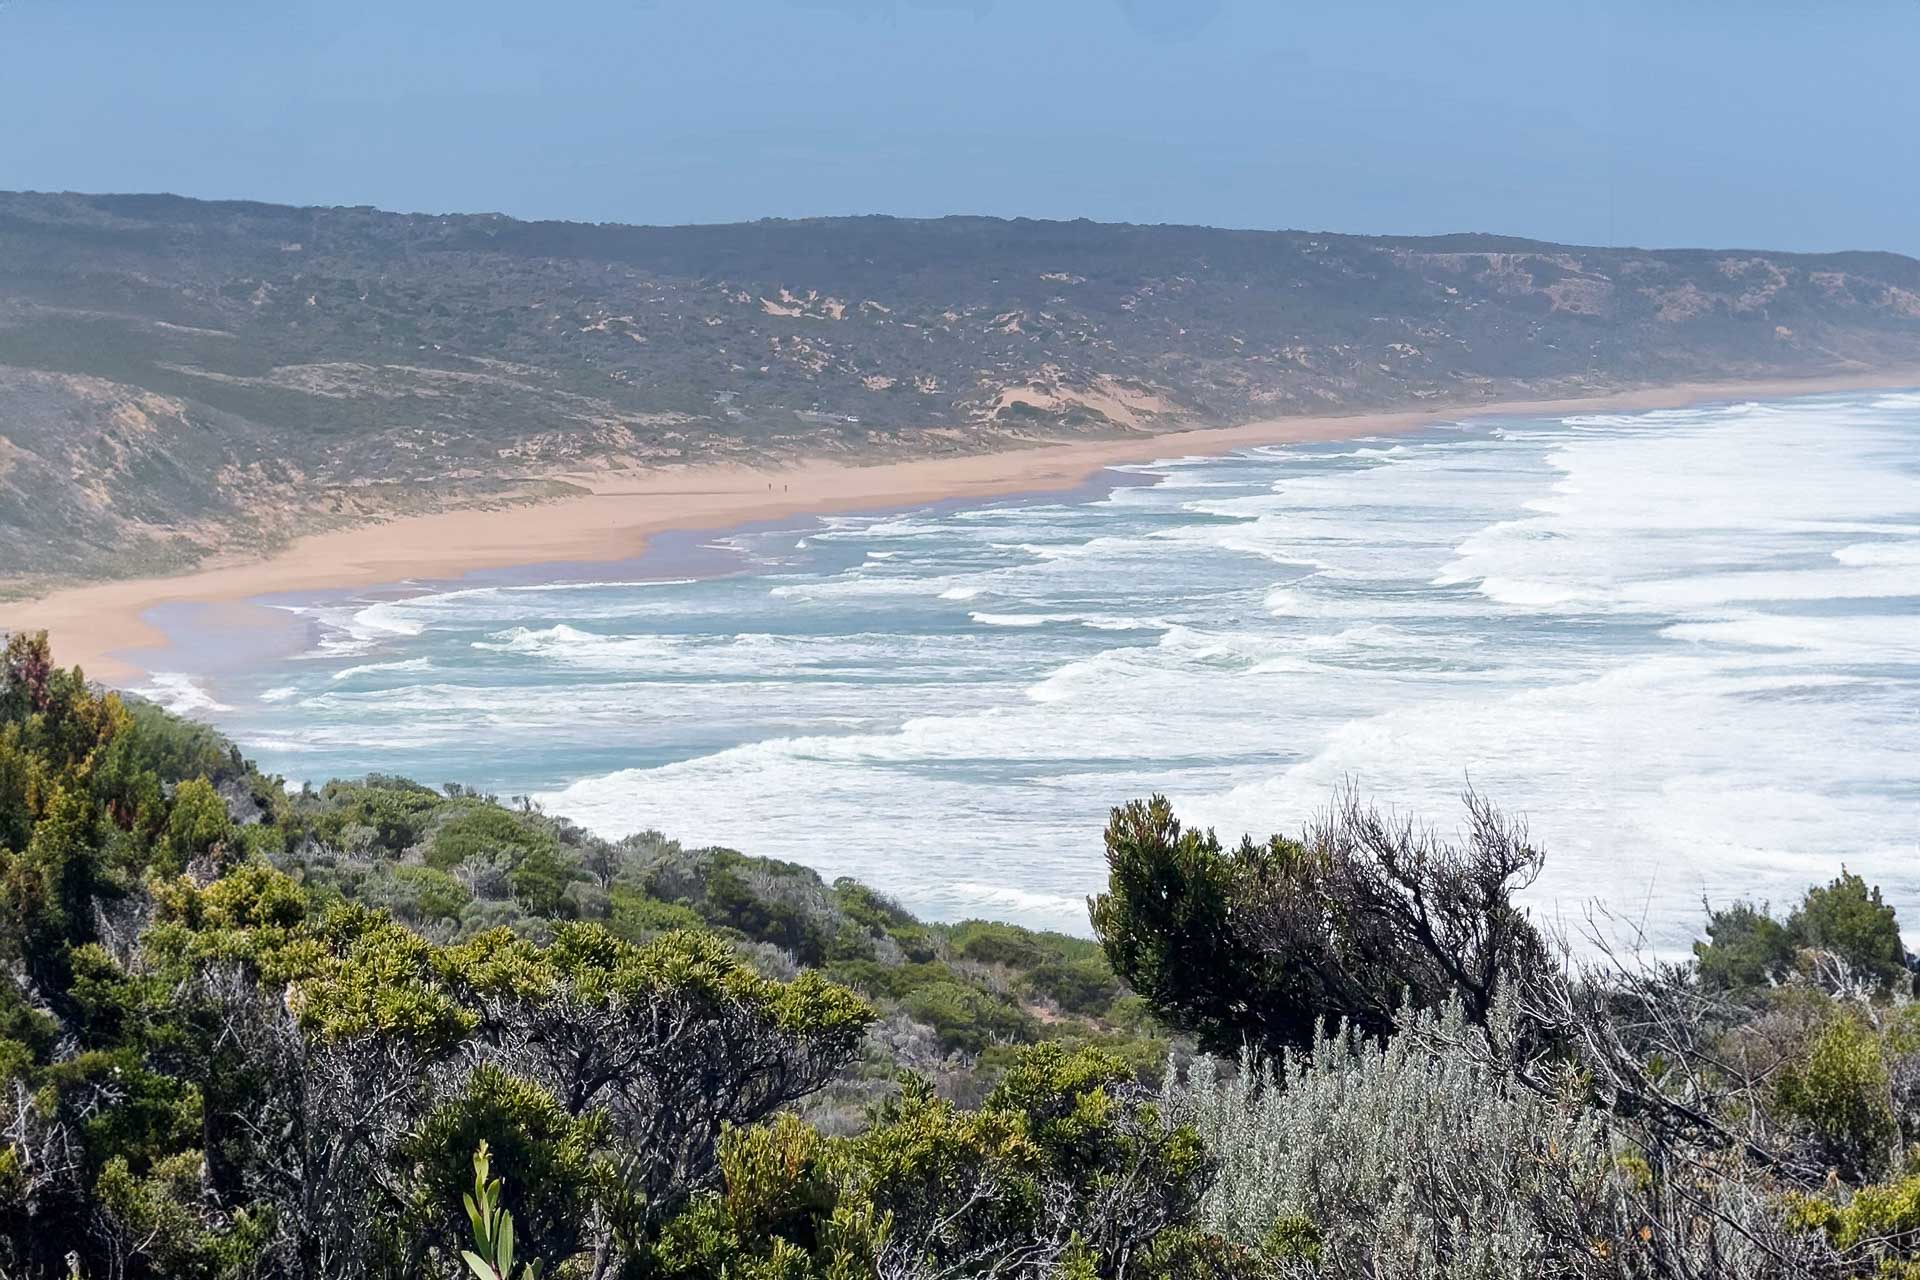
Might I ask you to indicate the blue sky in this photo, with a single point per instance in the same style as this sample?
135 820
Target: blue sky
1689 122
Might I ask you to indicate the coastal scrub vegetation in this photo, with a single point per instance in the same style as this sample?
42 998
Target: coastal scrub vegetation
380 1029
182 378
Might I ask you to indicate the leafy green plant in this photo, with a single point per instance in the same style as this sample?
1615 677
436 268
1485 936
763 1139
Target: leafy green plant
1879 1222
491 1258
1850 920
1745 948
1846 921
1841 1091
1364 917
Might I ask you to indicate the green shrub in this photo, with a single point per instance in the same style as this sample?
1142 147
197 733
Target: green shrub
1840 1091
395 810
1851 920
540 879
1880 1222
871 910
990 942
1185 1253
558 1178
1846 918
479 829
1024 1186
966 1018
1166 922
197 824
429 894
636 917
916 942
1360 920
175 749
164 1216
1744 948
730 903
153 1113
1084 986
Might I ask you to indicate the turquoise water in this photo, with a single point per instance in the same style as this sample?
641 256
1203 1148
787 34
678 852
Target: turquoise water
1686 644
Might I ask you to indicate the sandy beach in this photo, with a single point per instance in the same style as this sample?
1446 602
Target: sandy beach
96 625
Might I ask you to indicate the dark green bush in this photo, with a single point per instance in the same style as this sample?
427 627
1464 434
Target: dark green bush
1840 1090
479 830
1852 921
1085 986
1744 948
990 942
636 917
1845 920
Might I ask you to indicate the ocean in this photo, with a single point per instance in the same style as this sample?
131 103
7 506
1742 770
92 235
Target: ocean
1684 644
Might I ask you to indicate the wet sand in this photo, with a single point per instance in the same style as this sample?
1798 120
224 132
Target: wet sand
112 628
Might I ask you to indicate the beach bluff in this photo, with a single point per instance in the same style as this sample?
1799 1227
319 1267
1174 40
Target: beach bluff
185 382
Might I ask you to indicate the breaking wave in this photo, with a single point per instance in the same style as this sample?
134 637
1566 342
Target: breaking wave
1686 644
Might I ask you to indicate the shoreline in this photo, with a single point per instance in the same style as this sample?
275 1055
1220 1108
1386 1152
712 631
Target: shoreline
98 626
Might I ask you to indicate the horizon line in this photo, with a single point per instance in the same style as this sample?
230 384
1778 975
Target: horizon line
1013 219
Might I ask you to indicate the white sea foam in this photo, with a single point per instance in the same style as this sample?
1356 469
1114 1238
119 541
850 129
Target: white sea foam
1095 621
394 618
182 694
1686 644
573 646
638 584
1890 639
1002 899
1905 554
368 668
282 745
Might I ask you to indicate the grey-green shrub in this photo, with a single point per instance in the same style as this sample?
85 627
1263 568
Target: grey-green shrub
1420 1159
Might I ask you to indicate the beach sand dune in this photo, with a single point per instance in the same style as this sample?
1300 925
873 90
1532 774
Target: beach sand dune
100 625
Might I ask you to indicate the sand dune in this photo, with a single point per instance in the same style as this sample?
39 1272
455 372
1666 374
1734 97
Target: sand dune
100 625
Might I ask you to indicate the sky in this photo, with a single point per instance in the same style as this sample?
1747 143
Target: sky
1777 124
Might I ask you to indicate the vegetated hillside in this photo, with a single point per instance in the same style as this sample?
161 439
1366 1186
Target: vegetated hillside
179 376
451 863
247 1035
